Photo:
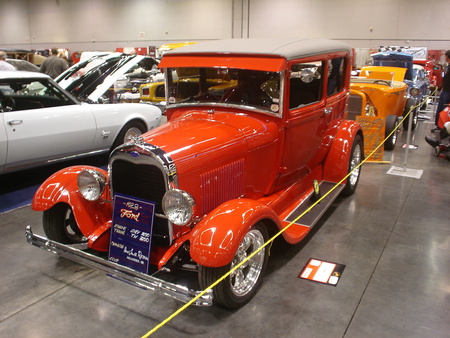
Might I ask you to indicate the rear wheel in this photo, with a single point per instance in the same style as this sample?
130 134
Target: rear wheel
60 225
241 285
391 125
356 157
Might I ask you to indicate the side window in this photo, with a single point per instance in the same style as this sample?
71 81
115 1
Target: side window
335 75
306 81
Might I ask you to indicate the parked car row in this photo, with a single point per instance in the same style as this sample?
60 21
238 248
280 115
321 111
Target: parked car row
257 132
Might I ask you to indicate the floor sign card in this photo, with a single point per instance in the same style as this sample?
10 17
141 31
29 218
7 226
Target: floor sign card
322 272
131 232
374 133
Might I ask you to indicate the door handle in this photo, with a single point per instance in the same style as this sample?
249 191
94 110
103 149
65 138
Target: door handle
14 122
328 110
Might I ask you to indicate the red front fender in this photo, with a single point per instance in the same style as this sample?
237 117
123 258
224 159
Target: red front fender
337 161
216 238
93 218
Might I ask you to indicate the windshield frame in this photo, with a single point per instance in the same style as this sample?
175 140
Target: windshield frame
169 84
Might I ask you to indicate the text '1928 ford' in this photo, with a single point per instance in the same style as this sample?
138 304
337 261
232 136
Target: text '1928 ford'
256 132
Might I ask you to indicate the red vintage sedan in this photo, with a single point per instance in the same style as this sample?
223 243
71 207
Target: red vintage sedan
256 133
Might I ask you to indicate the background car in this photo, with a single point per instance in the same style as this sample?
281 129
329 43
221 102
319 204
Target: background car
104 78
23 65
415 76
380 92
40 122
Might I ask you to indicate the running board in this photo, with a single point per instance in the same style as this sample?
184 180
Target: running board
311 217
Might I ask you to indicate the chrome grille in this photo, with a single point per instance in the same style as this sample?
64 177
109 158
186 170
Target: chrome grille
145 181
355 107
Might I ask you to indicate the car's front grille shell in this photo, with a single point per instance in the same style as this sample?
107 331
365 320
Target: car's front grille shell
142 175
355 107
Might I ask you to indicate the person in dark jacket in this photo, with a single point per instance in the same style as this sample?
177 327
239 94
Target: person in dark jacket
54 65
444 97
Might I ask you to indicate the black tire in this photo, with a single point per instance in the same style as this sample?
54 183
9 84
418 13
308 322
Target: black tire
414 114
391 124
131 129
60 225
241 286
356 157
424 105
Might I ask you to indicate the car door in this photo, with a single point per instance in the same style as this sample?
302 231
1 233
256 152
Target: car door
3 143
306 118
40 135
42 124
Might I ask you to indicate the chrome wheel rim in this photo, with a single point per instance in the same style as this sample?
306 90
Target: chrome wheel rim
131 133
244 278
355 161
394 135
71 228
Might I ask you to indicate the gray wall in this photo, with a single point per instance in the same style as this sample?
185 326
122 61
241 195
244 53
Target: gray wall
107 24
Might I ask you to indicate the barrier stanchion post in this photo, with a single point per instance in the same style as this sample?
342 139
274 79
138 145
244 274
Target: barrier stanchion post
405 171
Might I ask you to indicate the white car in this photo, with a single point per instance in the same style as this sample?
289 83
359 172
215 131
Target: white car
105 78
40 122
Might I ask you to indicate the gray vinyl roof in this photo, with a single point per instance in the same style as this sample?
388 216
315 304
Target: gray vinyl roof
287 48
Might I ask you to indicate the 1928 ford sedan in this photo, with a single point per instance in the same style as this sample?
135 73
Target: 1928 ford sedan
256 133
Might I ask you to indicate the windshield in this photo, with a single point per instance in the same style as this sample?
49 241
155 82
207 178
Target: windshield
247 88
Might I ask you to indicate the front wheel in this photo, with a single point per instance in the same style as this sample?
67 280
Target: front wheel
130 130
241 285
60 225
354 169
410 106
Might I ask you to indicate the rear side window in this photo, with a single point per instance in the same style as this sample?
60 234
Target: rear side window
335 75
305 82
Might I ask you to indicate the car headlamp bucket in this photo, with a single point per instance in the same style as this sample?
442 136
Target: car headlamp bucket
414 92
91 184
178 206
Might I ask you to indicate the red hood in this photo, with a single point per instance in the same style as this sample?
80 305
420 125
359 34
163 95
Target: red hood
210 137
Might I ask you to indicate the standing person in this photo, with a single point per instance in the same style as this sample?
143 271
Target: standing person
3 64
54 65
444 97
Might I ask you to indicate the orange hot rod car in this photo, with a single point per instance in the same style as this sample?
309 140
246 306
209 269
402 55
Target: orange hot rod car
255 134
380 92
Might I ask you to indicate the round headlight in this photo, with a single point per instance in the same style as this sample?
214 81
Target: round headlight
414 92
91 184
178 206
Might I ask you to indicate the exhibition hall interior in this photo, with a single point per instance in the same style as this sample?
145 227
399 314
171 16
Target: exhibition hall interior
224 168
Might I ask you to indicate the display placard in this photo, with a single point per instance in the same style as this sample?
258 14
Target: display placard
323 272
373 128
131 232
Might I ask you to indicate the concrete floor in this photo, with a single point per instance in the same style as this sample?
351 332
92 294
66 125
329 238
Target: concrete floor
392 235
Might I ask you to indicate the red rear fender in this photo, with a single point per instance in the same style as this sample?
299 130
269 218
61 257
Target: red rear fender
337 161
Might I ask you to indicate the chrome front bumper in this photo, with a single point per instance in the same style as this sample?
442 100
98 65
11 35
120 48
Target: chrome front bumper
178 292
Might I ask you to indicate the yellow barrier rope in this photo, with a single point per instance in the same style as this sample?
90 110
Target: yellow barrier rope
185 306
